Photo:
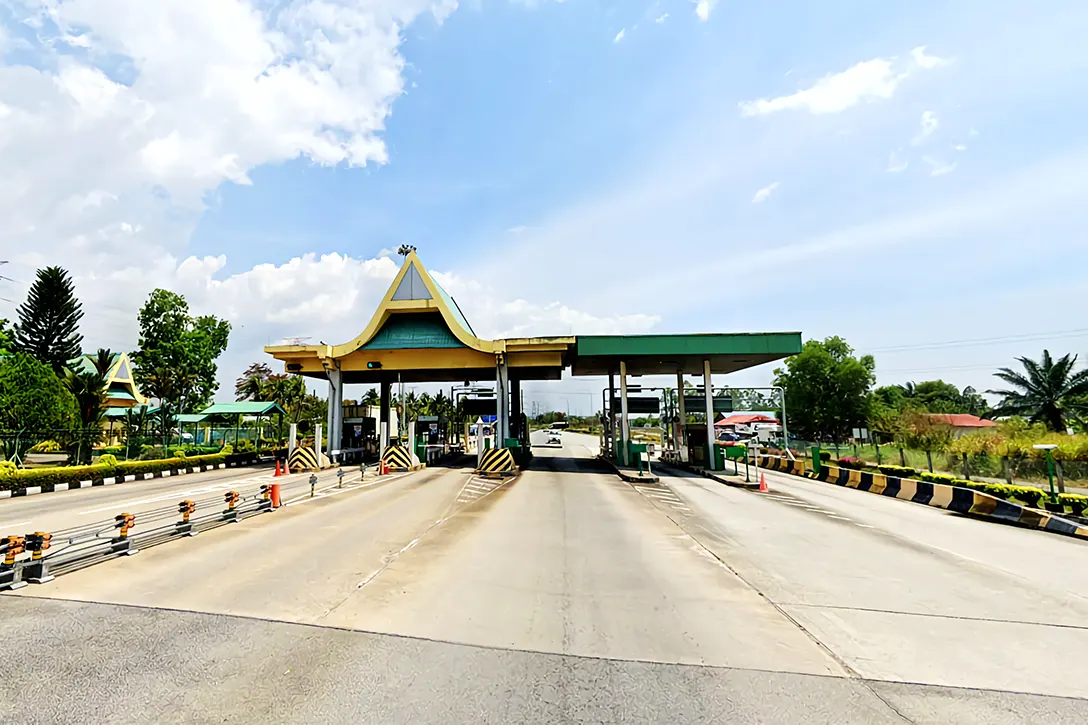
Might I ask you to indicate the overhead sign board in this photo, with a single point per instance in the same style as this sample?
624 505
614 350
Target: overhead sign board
697 404
641 405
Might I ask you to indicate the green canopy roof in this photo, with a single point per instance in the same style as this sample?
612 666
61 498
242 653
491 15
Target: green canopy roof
243 408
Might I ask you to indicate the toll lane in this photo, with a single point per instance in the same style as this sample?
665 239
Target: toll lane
883 590
570 560
297 564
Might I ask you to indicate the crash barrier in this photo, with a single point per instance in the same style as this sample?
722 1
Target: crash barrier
497 462
944 496
399 458
40 556
783 465
304 459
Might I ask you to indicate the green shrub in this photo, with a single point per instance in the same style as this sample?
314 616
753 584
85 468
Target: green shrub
898 471
939 477
245 446
1075 502
1028 495
74 474
178 453
45 447
107 460
227 449
8 469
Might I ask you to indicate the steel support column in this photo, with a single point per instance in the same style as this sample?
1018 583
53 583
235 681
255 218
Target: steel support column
682 413
708 391
626 427
383 416
502 401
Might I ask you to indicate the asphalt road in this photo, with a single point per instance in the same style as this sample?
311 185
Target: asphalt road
77 507
565 595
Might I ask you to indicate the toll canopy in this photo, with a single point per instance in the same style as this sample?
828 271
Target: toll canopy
671 354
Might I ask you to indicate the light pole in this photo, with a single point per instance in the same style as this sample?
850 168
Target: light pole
1049 448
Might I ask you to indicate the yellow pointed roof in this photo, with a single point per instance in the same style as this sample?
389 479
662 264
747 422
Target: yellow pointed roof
414 290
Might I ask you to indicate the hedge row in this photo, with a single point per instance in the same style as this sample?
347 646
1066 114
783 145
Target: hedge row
20 478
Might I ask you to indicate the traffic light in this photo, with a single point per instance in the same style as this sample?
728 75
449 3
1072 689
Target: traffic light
373 365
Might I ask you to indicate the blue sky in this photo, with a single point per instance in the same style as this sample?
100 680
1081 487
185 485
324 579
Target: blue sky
900 174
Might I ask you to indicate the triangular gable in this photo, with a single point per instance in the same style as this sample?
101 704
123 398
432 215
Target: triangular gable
413 290
122 372
411 286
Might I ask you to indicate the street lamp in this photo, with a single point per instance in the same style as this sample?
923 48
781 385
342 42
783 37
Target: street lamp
1049 448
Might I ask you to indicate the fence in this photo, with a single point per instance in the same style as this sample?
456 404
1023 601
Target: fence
982 465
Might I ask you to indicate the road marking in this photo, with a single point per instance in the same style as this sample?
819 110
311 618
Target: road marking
321 492
865 526
840 518
20 523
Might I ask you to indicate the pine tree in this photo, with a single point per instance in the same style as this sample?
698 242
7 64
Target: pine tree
48 327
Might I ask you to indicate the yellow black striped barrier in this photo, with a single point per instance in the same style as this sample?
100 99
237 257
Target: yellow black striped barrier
398 459
497 462
785 465
302 459
939 495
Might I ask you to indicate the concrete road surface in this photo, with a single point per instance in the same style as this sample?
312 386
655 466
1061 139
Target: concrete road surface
564 595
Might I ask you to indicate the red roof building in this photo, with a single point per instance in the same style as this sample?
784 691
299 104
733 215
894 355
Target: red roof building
744 419
962 420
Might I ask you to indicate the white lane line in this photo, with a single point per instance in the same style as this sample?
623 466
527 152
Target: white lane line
865 526
840 518
11 525
165 497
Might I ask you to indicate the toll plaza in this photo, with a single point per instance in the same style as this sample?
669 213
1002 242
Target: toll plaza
419 334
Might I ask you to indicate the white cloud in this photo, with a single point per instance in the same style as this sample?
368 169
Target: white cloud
959 147
765 193
897 162
926 61
619 35
703 8
156 118
929 123
520 229
661 18
867 81
939 167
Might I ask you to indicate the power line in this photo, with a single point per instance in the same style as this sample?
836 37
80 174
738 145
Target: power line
1027 337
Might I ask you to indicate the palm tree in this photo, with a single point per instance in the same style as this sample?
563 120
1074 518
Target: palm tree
252 385
1048 391
88 387
371 399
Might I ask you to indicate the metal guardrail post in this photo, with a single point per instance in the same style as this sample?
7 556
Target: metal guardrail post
10 574
37 570
121 544
340 478
186 509
313 484
231 499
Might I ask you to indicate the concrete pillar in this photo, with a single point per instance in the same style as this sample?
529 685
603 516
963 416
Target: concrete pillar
610 418
502 402
292 438
624 423
317 444
383 416
515 408
682 413
335 417
709 393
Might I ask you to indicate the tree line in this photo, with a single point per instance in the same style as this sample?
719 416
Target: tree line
48 387
830 391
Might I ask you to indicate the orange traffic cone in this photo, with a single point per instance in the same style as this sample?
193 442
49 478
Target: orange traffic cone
277 468
762 483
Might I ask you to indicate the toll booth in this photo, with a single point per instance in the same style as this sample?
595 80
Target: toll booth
696 439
